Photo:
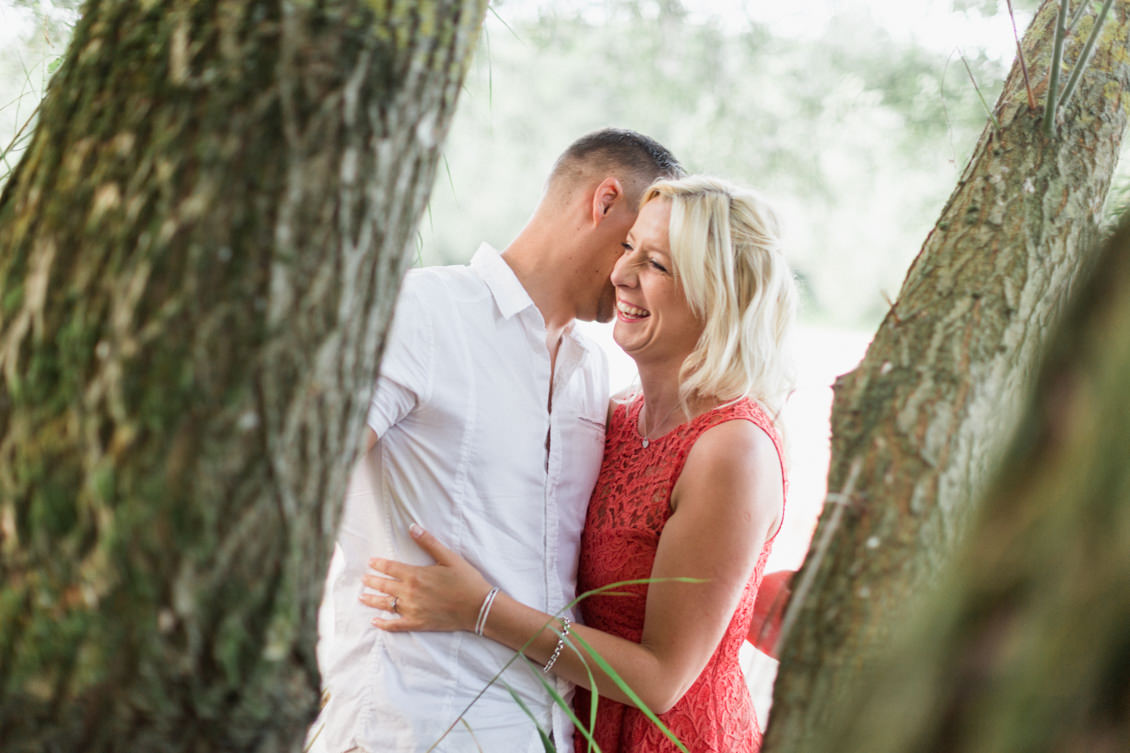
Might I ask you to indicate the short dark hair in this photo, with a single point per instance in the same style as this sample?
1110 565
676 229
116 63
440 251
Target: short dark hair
637 159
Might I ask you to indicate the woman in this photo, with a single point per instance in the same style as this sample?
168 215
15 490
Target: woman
690 495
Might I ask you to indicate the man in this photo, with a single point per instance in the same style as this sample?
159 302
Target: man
487 428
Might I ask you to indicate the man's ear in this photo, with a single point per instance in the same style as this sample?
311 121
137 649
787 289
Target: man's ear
604 198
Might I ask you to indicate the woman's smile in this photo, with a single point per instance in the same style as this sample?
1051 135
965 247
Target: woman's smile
626 312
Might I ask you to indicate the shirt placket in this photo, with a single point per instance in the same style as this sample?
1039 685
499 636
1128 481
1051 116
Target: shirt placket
568 359
540 372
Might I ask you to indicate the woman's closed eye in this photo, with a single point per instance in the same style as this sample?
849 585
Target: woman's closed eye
657 265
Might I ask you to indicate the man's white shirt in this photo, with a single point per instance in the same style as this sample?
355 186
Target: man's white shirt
469 449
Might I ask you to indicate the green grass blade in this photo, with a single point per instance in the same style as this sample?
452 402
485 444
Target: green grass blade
471 732
490 69
549 623
980 96
1084 56
502 21
627 690
609 589
586 732
546 743
1056 65
594 697
1080 9
450 178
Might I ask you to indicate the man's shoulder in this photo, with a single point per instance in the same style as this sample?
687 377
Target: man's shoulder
438 277
452 283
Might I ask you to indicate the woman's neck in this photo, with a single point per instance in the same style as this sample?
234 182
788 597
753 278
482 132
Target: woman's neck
663 410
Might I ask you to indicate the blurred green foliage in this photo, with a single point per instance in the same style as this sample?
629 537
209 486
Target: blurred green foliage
33 35
857 136
856 131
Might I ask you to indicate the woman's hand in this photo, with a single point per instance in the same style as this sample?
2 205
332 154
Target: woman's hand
443 597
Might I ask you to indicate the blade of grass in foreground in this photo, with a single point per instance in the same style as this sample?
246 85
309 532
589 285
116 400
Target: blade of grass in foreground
474 739
546 743
585 732
604 665
594 699
609 589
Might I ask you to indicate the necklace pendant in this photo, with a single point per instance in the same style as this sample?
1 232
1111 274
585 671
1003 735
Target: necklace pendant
645 442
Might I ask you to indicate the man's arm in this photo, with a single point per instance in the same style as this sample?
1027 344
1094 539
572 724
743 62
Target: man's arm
405 379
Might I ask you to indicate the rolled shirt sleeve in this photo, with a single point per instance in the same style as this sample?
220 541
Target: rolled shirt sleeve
405 370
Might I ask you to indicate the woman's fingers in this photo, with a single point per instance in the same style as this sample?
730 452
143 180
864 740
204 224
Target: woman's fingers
378 583
391 568
393 626
430 544
380 601
445 596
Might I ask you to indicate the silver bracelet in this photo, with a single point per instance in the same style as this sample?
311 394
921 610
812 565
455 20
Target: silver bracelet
484 610
560 644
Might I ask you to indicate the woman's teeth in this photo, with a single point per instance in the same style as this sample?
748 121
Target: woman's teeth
632 311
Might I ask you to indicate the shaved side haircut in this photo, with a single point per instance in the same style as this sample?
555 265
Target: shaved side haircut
635 159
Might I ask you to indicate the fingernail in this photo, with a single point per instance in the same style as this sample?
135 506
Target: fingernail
416 530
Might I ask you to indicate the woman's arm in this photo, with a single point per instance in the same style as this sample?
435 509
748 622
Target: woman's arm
726 502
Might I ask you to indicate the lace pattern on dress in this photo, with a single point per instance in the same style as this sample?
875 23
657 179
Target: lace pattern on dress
629 507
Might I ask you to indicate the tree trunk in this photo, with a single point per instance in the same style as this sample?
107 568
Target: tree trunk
1025 647
199 256
918 425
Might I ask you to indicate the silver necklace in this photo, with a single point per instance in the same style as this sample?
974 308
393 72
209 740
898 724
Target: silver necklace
645 441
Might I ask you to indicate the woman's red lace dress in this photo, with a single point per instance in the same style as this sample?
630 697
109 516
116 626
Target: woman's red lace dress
629 507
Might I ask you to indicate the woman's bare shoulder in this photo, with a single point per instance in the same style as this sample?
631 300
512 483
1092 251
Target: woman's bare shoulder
736 443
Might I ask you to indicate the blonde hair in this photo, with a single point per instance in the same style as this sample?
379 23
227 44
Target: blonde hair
726 254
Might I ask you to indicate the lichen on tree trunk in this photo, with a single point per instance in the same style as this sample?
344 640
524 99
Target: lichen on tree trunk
917 427
1025 646
199 255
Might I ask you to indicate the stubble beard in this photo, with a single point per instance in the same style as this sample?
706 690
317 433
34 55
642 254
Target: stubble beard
606 305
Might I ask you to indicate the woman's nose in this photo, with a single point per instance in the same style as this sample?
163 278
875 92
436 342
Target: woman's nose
622 271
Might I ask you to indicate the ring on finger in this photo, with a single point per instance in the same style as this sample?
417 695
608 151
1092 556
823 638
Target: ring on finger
392 609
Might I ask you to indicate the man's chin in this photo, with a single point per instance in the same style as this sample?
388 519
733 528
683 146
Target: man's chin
605 311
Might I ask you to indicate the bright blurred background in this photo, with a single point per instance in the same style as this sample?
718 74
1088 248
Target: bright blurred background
854 116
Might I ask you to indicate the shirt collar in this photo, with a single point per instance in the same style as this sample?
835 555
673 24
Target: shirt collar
504 286
507 291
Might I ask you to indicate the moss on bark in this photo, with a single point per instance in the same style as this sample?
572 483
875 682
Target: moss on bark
1024 647
199 254
919 425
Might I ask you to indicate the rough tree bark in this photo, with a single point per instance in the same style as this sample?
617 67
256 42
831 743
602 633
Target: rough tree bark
199 255
1025 647
918 425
